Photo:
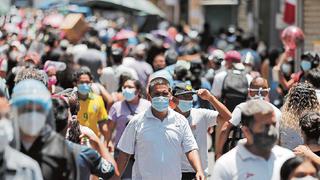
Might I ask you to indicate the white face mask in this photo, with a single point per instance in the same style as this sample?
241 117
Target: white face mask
31 123
305 178
6 133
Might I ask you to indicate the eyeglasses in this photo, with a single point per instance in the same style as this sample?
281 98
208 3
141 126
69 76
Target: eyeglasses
260 91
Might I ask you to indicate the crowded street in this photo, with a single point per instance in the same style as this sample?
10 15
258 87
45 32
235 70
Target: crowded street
159 90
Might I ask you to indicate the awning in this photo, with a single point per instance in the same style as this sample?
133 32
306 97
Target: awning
143 6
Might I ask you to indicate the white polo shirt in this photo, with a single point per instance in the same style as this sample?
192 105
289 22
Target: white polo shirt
157 145
200 120
218 83
241 164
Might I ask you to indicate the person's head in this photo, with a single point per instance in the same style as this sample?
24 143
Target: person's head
51 68
258 88
74 132
140 52
32 103
61 111
309 61
159 62
309 123
6 127
132 90
117 55
248 62
216 58
313 77
300 98
31 73
232 57
83 80
32 59
298 168
259 125
159 93
183 97
171 57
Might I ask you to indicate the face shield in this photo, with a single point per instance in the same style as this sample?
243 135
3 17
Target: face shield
259 93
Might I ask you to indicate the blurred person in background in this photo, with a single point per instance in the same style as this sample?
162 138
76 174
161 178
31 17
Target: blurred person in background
92 112
313 78
32 111
301 98
299 168
139 64
122 112
159 62
51 68
14 164
309 123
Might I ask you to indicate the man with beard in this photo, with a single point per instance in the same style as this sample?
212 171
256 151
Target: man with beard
257 156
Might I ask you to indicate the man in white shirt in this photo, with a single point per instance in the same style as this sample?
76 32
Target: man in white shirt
157 138
258 89
199 120
256 157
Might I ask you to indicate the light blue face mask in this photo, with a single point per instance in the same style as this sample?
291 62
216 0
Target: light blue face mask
305 65
185 105
84 89
129 93
160 103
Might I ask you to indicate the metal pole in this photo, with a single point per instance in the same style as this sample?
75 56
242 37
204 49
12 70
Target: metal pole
299 23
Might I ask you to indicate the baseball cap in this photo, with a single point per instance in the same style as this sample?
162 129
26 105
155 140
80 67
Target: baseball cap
217 56
183 88
233 56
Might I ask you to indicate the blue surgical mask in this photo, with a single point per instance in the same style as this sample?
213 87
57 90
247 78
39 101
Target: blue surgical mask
84 89
185 106
305 65
160 103
129 93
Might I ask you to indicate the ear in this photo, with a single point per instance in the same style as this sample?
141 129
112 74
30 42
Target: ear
246 132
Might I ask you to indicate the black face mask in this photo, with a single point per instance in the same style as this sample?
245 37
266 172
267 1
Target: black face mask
265 140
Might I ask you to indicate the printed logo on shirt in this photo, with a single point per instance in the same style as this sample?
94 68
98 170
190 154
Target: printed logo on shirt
248 175
106 166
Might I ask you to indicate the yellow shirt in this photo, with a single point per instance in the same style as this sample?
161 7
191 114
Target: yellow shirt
91 112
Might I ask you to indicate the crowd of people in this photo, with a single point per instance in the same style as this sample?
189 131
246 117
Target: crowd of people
119 104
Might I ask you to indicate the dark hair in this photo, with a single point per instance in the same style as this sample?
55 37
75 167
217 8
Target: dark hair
74 132
309 123
290 165
74 104
158 81
82 71
302 97
138 85
60 111
313 77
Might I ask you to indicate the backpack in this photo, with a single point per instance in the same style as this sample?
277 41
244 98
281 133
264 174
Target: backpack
234 91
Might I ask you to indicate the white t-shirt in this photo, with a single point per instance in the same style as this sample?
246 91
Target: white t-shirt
217 84
236 114
241 164
200 120
157 145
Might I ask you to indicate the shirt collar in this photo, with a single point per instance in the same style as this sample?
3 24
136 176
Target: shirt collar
244 153
150 115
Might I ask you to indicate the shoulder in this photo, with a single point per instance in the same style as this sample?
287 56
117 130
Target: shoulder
117 104
281 151
221 75
18 159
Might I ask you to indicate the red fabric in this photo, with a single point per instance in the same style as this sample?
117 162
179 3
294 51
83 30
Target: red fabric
289 16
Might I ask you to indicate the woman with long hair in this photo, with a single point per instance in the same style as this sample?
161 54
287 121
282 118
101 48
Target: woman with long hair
301 98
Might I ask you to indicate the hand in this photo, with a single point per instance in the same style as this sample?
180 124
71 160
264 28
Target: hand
302 150
200 176
87 132
111 147
204 94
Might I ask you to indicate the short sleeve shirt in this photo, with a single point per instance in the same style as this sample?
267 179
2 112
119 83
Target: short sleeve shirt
157 145
91 112
200 120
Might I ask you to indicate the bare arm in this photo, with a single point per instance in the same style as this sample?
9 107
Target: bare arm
122 161
106 96
103 127
224 113
111 126
224 134
194 159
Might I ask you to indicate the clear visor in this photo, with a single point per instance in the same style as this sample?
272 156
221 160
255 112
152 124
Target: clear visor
260 92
